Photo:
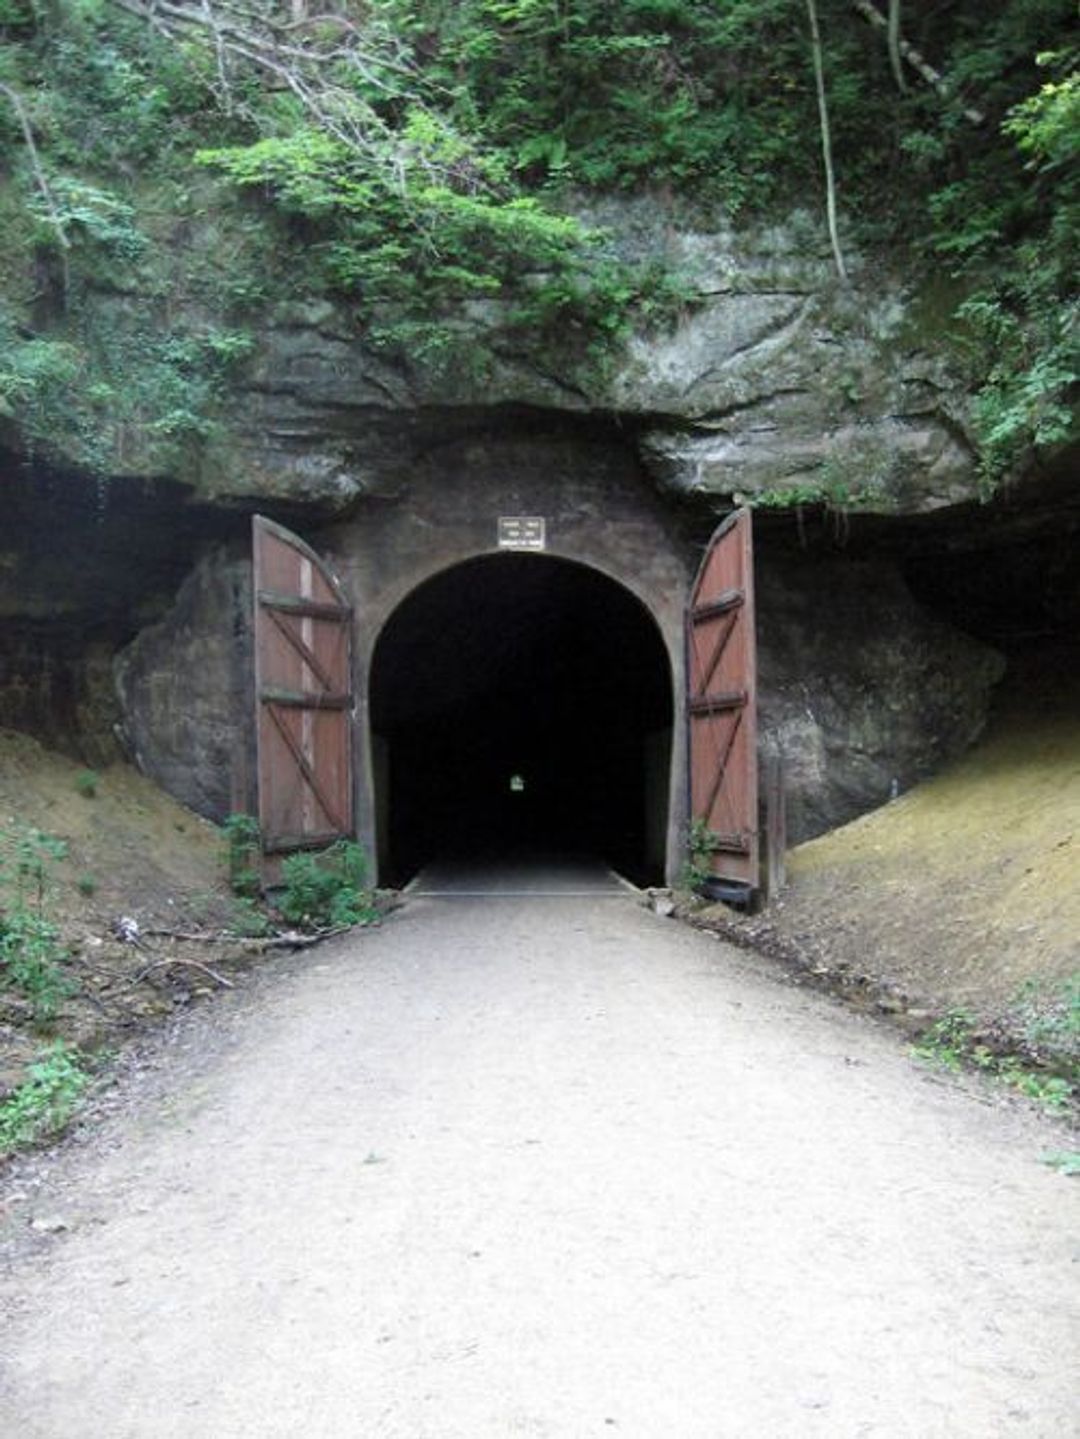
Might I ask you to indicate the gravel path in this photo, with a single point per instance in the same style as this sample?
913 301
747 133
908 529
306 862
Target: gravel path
536 1165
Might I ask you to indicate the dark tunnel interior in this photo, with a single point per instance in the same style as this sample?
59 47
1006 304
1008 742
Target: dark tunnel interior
521 706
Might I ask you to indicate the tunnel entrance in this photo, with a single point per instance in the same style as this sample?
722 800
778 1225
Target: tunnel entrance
521 705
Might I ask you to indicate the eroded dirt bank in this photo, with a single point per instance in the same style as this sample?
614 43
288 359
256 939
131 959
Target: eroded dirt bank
540 1166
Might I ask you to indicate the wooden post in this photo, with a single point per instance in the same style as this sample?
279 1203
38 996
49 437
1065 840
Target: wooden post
774 860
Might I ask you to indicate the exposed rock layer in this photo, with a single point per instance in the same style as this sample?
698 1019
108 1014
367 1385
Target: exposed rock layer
775 382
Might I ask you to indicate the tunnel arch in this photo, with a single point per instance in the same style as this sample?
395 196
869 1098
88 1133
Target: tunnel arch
521 704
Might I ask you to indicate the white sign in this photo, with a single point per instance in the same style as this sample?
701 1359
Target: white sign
522 532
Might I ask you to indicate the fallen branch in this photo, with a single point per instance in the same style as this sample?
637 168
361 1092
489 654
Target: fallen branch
294 940
199 938
291 939
188 964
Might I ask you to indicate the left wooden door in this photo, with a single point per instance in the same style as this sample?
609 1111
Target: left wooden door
303 694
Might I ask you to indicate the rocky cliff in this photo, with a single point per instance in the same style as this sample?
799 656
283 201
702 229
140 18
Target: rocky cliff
837 410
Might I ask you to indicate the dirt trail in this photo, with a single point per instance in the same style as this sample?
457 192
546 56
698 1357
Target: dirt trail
543 1166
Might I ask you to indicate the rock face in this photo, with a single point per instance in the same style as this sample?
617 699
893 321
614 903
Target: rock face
786 386
185 688
776 383
862 692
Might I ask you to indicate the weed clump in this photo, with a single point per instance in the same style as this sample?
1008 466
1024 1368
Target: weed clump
31 951
320 889
954 1042
328 888
242 839
45 1102
86 783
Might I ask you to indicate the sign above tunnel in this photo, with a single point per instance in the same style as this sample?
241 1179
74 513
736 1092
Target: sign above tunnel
522 532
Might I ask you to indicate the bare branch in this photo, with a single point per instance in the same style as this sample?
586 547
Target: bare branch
313 57
826 140
55 221
917 62
186 964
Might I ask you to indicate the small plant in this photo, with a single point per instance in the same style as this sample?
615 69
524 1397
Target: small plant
242 841
1065 1161
1051 1016
31 952
952 1043
30 958
86 885
949 1041
1052 1091
44 1104
248 921
328 888
86 783
701 844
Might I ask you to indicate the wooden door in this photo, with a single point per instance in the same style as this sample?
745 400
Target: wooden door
303 694
722 703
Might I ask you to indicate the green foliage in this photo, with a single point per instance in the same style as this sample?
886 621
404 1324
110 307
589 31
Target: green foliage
1008 225
248 920
1046 125
31 951
45 1103
651 92
1053 1091
1065 1161
1049 1016
701 844
949 1041
114 94
35 377
86 783
98 362
87 215
833 488
242 848
86 885
431 192
31 955
953 1042
327 888
410 250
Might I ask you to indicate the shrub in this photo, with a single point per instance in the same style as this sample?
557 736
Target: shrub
327 888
